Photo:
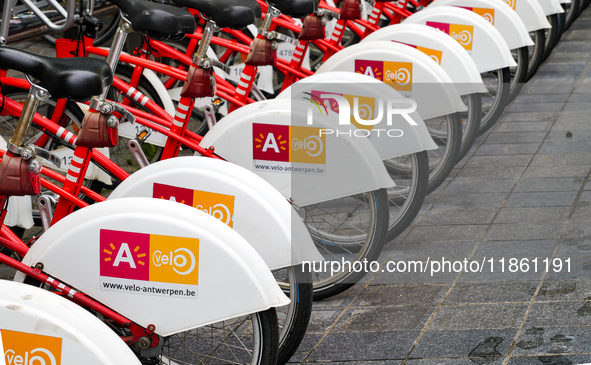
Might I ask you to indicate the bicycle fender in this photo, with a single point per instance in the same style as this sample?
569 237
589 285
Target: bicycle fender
140 255
500 15
532 14
344 158
484 43
444 50
551 7
235 196
415 138
41 326
424 81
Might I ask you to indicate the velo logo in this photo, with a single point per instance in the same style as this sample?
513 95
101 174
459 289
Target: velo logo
487 14
149 257
219 206
292 148
461 33
396 74
511 3
434 54
22 348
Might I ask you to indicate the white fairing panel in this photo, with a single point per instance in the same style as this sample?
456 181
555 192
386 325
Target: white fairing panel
551 6
40 327
444 50
349 84
499 14
531 12
140 255
306 167
407 70
235 196
482 41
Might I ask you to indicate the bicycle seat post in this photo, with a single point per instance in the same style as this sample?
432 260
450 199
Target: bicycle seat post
36 94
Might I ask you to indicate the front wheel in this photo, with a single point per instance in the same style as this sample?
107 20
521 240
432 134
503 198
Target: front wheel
250 339
519 73
536 52
552 34
495 100
347 231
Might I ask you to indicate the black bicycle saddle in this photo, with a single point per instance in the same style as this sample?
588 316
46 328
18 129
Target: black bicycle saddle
295 8
75 78
234 14
160 21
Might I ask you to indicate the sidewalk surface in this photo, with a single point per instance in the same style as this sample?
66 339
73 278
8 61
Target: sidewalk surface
520 193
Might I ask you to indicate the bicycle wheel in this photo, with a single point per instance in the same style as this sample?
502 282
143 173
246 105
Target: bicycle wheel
350 230
109 16
407 197
536 52
495 100
572 11
470 123
293 318
519 73
552 35
250 339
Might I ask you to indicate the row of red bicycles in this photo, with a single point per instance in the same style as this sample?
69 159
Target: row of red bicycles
183 196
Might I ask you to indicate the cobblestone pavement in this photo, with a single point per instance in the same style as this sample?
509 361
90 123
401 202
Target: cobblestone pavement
520 193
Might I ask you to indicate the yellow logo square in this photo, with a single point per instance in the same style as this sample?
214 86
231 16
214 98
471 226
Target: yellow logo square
433 53
219 206
463 34
174 259
307 146
398 75
28 348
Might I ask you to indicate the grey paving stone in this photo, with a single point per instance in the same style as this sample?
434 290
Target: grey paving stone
437 216
499 161
401 295
381 319
552 314
530 117
457 361
501 173
548 98
515 249
491 292
341 300
550 360
582 213
412 277
365 346
507 149
497 316
515 137
533 215
321 319
584 199
557 171
565 145
433 251
571 121
474 186
580 267
562 159
470 201
541 199
564 289
508 232
523 127
488 345
535 107
305 347
549 86
435 234
499 272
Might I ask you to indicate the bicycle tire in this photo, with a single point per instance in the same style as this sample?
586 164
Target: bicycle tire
552 35
103 36
265 338
292 331
519 74
572 11
442 162
501 96
407 197
470 123
370 242
537 53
